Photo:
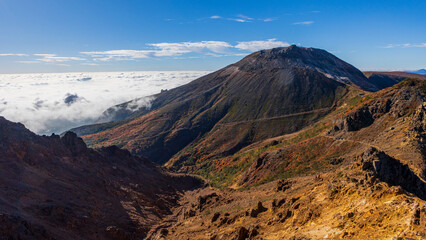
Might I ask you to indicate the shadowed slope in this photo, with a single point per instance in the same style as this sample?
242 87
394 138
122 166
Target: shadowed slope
57 188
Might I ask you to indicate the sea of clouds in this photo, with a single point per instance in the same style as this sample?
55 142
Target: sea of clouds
55 102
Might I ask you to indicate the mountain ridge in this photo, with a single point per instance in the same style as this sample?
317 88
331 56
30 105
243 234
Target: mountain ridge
57 188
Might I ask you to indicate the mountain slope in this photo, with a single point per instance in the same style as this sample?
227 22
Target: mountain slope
390 120
57 188
359 173
267 94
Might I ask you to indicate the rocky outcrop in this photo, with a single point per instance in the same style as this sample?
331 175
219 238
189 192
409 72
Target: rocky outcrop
418 133
395 103
257 210
392 171
283 185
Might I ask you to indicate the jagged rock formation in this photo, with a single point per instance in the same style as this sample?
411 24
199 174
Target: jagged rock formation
57 188
396 105
393 172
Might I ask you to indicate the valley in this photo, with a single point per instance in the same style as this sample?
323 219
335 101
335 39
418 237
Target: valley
288 143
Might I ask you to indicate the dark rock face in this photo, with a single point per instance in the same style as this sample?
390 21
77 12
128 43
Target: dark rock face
257 210
392 171
14 227
57 188
418 130
283 185
207 199
75 144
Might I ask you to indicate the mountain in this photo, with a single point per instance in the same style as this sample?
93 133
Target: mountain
420 71
291 143
388 79
358 173
266 94
57 188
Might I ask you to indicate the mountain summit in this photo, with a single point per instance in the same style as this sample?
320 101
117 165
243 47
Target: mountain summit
266 94
309 58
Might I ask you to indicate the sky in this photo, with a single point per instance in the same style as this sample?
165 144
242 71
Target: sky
40 36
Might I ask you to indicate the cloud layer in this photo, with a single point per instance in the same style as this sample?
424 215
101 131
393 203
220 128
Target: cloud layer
55 102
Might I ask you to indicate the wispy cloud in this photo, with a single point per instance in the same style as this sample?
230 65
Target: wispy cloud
258 45
268 19
304 23
162 50
173 49
119 55
13 54
90 64
53 58
243 18
405 45
158 50
239 20
28 62
168 49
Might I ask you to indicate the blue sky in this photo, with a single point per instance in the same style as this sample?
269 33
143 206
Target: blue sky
120 35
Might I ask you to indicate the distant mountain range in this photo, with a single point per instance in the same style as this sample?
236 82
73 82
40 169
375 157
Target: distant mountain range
420 71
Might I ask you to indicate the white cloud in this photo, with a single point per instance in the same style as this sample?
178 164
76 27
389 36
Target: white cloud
90 64
173 49
52 58
120 54
268 19
162 50
304 23
28 62
258 45
241 18
244 17
167 49
55 102
405 45
13 54
238 20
